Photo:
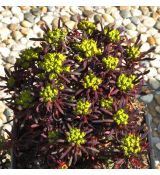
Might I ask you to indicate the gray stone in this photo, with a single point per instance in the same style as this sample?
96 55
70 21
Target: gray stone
157 97
153 72
157 25
88 13
145 63
8 112
65 18
149 22
36 12
131 26
2 107
75 17
96 18
125 13
51 8
158 128
158 145
29 17
154 83
4 51
157 108
70 24
147 98
108 18
135 20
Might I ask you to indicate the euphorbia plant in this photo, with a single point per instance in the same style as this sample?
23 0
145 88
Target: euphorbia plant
73 100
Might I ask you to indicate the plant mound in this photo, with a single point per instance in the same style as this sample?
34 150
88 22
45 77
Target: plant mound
74 100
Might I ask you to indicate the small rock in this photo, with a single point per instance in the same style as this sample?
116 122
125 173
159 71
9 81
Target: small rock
29 17
24 30
15 20
13 27
125 13
20 17
152 31
4 51
2 105
96 18
151 40
157 50
157 97
145 63
144 37
147 98
153 72
17 35
154 83
125 8
136 12
157 108
135 20
76 9
36 12
6 20
74 17
131 26
141 28
2 119
88 13
155 63
145 47
43 9
132 33
8 112
65 18
158 145
108 18
100 11
47 19
155 16
8 127
158 128
157 77
116 15
16 10
157 25
157 41
145 10
149 22
70 24
51 8
26 24
24 8
126 22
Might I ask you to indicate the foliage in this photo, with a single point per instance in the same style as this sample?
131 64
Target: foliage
73 100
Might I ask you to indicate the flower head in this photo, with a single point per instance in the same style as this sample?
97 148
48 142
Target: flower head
48 93
25 99
125 82
91 81
106 103
131 145
113 35
87 26
88 47
110 62
121 117
76 136
133 52
83 107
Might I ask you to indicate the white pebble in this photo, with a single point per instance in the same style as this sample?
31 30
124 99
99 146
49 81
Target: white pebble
153 72
126 22
4 51
154 83
141 28
155 63
14 20
136 12
6 20
16 10
149 22
132 33
145 47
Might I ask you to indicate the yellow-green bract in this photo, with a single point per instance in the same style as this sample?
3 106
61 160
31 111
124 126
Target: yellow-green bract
76 136
113 35
133 52
88 47
106 103
131 145
91 81
55 36
25 99
87 26
121 117
83 107
110 62
48 93
125 82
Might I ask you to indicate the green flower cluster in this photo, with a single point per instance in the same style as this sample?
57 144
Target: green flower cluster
87 26
106 103
121 117
79 58
88 47
11 82
48 93
113 35
25 99
91 81
53 63
27 56
83 107
131 145
52 136
76 136
55 36
110 62
125 83
133 52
